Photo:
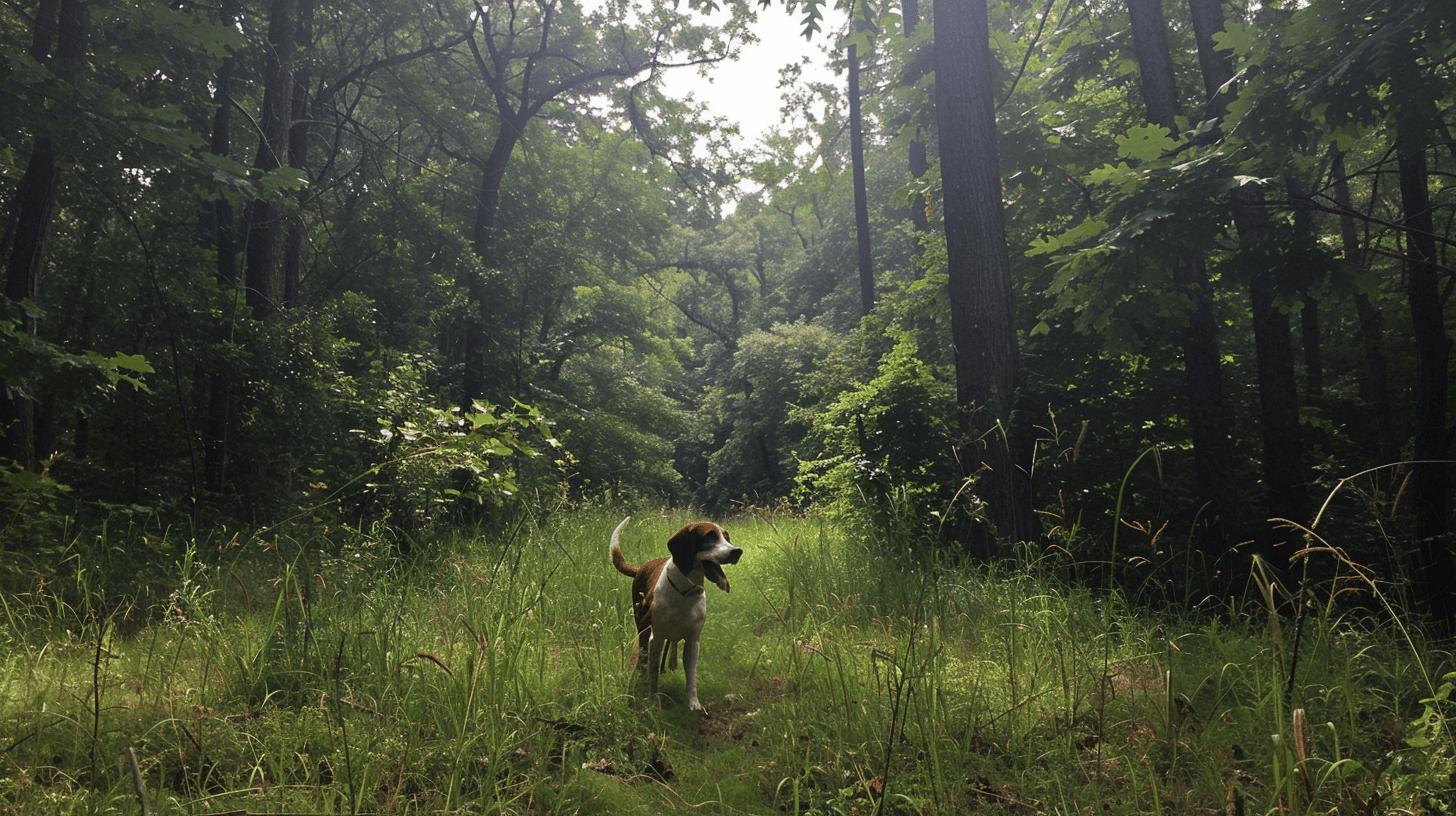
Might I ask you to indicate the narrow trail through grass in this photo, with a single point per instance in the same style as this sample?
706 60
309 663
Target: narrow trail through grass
496 678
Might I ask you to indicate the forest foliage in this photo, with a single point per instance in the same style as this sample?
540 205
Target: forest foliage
419 264
1074 372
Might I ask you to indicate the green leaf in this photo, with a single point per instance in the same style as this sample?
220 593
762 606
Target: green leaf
1238 37
132 362
1109 173
1084 231
282 180
1146 143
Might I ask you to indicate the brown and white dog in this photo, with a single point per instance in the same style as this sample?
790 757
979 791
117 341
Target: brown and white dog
668 598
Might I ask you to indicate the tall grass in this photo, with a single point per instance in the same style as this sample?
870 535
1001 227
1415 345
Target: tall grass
845 673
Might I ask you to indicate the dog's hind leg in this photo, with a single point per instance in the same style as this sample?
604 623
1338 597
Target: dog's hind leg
654 658
669 656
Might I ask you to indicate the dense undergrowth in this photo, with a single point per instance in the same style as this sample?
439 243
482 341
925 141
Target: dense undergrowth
843 674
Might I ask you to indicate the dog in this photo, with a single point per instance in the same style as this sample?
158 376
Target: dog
669 600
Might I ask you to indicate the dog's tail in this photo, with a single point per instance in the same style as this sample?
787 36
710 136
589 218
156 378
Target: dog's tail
618 560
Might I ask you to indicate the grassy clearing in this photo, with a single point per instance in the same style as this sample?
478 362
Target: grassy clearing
497 679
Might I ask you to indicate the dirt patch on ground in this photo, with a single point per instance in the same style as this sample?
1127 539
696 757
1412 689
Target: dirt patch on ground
770 688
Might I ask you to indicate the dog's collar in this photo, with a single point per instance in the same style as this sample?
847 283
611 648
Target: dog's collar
692 588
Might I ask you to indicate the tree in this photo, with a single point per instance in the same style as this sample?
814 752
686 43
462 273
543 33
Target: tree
218 425
266 227
58 39
915 156
1430 490
987 363
857 162
527 58
1284 467
1207 411
1374 386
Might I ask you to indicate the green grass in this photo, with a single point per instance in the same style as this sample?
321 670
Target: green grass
495 677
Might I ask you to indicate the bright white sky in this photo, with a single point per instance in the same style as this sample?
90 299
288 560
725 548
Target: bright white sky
746 90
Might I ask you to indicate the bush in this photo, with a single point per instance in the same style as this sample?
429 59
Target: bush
882 449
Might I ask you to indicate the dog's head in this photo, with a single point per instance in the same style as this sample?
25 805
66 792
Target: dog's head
703 545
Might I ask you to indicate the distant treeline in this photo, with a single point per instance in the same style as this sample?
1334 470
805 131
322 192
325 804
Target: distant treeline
413 262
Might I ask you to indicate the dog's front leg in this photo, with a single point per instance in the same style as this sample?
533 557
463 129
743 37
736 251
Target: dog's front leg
654 661
690 668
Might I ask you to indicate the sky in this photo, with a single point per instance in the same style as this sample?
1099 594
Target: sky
746 90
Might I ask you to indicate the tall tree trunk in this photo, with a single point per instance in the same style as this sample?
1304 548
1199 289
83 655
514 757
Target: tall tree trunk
62 23
1374 385
1208 415
483 241
298 138
915 152
1429 493
1284 468
265 217
861 200
216 429
987 360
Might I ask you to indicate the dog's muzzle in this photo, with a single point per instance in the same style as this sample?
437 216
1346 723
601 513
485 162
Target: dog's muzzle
713 567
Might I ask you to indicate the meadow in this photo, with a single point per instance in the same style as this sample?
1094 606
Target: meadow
844 673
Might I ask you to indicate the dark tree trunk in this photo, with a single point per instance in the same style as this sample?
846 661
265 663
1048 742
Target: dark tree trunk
217 427
1215 66
1429 493
483 241
1309 332
987 361
62 23
1208 416
298 138
1309 260
1283 461
909 16
861 201
265 217
1373 386
1155 65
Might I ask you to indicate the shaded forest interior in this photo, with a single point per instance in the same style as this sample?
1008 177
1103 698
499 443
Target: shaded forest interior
1154 289
410 264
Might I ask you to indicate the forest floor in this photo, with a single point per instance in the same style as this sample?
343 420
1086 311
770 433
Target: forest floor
497 677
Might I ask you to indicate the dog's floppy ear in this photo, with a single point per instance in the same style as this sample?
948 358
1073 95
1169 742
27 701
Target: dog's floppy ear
684 548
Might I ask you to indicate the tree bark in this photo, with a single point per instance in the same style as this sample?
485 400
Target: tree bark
217 428
915 153
1309 260
987 363
1374 386
298 139
62 23
1435 573
1284 468
265 217
861 200
483 242
1208 415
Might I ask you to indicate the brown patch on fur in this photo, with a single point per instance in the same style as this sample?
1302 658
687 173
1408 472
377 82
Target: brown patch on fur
645 576
642 585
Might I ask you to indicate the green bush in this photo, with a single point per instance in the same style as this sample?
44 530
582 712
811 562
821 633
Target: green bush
882 449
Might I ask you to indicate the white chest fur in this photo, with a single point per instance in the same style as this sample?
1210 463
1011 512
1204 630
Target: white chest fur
676 615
